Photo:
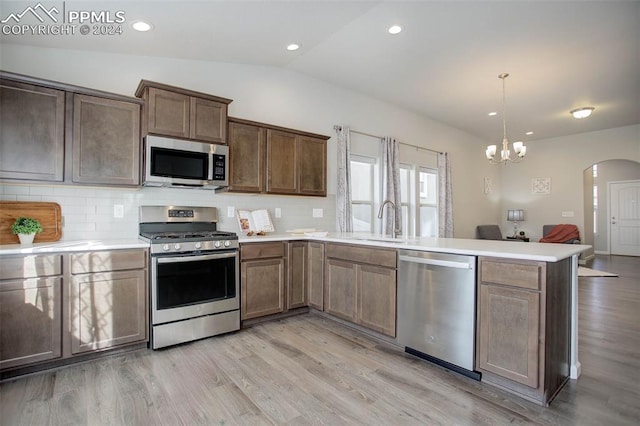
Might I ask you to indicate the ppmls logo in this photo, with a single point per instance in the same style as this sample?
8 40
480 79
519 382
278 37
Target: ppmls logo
38 11
40 20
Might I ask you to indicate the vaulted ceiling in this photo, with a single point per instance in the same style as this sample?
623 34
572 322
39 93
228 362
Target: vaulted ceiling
444 64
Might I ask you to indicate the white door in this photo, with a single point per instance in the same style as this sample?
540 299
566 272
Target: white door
625 218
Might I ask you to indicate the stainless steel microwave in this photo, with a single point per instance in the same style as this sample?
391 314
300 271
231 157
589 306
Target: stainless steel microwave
179 163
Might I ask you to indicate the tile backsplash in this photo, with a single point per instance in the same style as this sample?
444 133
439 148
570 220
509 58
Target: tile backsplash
90 213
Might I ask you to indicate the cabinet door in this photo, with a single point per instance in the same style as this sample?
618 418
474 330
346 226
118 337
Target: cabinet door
31 132
340 289
297 283
107 310
316 274
246 157
168 113
312 166
282 163
208 120
377 299
31 323
106 141
508 341
262 288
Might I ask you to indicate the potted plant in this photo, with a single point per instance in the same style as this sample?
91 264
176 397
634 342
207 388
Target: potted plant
26 228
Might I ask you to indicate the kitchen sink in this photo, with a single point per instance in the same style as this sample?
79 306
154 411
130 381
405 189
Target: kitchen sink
384 239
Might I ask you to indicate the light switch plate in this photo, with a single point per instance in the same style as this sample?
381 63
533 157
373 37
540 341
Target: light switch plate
231 211
567 214
118 211
278 212
318 213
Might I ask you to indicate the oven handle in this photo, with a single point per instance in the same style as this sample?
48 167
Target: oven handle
196 258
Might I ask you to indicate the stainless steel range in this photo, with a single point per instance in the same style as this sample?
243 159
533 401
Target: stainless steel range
194 274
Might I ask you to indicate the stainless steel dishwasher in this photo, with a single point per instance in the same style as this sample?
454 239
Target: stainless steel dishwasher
437 308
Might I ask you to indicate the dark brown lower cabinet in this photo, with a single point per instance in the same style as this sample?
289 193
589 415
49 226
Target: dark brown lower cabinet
58 306
523 326
30 314
107 310
360 286
30 310
107 295
298 274
315 275
263 277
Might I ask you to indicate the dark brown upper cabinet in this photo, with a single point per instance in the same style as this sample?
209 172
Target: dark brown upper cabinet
31 132
246 158
57 132
181 113
106 141
268 159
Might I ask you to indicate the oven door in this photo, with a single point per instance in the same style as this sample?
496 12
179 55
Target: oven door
188 286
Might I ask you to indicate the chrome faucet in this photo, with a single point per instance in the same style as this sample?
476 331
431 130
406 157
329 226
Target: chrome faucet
396 231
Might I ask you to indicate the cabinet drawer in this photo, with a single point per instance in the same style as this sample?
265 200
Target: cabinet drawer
521 274
372 256
30 266
261 250
101 261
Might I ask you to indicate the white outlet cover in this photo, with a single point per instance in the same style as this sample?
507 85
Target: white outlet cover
318 213
118 211
231 211
278 212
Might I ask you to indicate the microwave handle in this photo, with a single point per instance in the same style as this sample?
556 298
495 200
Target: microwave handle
210 168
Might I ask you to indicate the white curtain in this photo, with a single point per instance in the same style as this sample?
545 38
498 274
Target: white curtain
391 183
445 204
344 218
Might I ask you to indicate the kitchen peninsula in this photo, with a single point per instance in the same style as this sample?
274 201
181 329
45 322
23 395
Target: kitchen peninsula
526 299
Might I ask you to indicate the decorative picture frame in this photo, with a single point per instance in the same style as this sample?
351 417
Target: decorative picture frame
488 185
541 186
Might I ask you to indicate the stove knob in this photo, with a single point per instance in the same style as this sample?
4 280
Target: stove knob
198 245
217 244
227 243
165 247
176 246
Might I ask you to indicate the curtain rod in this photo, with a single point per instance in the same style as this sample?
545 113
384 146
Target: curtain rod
338 128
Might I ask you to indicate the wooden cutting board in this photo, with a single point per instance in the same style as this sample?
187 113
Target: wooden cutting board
49 215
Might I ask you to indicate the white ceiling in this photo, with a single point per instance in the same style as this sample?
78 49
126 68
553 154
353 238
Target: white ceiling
445 64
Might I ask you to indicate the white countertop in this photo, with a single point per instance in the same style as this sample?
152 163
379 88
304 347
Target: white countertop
546 252
71 246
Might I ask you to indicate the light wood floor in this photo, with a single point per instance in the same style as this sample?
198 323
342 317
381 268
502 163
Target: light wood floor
311 370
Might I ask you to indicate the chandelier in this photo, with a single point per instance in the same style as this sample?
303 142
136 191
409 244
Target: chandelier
505 153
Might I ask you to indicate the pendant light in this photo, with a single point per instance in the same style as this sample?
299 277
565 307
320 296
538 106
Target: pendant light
505 153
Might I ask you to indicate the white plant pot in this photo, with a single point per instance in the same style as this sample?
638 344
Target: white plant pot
26 238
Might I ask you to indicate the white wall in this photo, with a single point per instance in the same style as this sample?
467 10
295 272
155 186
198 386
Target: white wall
564 161
264 94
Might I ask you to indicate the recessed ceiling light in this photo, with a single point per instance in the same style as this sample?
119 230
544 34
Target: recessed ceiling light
492 113
141 26
394 29
582 112
293 47
529 133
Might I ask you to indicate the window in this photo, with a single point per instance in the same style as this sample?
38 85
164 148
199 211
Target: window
418 192
419 199
362 192
428 198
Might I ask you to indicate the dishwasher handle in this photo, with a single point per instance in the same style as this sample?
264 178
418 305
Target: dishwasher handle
436 262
